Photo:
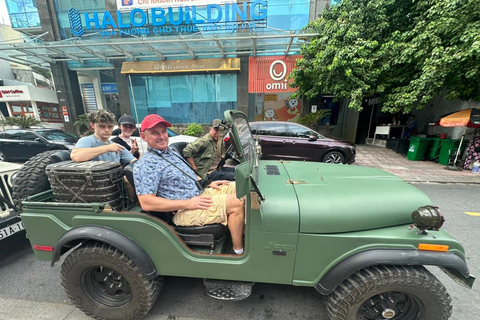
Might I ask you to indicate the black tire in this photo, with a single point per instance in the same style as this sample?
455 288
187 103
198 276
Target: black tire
31 178
3 157
105 284
390 292
335 157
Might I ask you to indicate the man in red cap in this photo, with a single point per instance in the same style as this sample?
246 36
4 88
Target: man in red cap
165 182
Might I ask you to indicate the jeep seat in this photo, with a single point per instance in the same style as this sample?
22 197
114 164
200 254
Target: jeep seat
178 147
206 235
61 155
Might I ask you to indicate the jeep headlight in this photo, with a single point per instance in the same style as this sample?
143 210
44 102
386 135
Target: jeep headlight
428 218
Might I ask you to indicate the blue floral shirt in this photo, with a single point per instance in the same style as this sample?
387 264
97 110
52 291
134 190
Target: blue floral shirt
155 175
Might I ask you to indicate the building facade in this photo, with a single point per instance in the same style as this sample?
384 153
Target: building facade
188 60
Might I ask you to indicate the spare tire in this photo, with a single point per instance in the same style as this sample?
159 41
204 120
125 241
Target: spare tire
32 178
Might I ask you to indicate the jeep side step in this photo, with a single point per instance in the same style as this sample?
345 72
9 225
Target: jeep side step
228 290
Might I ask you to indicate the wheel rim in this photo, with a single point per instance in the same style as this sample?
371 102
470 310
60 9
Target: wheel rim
334 158
390 305
106 286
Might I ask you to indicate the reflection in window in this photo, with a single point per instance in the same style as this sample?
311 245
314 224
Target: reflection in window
190 98
23 13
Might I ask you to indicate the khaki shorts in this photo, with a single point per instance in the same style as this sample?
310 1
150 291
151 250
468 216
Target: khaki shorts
217 213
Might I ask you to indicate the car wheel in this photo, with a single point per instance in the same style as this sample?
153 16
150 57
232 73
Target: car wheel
390 292
2 156
105 284
334 157
31 178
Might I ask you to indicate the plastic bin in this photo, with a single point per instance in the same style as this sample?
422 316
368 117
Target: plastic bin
418 147
434 148
449 147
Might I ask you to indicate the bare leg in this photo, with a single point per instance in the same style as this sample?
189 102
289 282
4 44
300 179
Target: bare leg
236 220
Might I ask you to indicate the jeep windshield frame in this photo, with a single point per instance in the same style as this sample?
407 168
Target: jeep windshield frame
244 145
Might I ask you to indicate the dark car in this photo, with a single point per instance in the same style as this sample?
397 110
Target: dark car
293 141
22 144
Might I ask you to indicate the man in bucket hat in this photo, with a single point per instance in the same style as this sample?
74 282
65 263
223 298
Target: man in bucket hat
166 183
204 155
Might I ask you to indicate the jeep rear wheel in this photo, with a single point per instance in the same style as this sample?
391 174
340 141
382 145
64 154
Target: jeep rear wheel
105 284
390 292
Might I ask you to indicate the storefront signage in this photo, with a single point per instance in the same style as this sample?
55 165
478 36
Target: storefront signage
109 88
11 93
269 74
181 66
171 19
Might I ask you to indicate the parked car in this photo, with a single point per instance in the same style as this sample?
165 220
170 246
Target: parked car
142 145
281 140
22 144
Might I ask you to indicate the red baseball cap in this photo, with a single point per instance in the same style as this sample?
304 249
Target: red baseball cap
152 120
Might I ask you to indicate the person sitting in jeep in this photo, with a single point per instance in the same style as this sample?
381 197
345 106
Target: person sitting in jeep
165 182
204 155
97 146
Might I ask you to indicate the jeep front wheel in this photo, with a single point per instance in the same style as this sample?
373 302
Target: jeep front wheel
105 284
390 292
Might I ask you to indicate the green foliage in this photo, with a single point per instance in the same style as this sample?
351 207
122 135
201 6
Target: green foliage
312 120
194 129
405 51
23 122
83 125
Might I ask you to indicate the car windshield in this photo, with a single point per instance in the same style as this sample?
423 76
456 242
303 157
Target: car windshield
56 135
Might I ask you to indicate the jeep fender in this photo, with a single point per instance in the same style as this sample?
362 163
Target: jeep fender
451 263
110 237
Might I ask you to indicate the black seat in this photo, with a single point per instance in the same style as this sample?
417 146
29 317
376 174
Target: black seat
178 147
61 155
206 235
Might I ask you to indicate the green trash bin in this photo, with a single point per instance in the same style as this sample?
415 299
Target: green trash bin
418 147
449 147
434 148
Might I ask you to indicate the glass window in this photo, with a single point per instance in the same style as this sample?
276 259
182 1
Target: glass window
26 135
195 98
271 129
55 135
298 131
49 113
10 134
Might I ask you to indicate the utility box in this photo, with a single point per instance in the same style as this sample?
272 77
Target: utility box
87 182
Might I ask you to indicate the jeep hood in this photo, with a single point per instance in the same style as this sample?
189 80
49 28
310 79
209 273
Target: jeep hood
335 198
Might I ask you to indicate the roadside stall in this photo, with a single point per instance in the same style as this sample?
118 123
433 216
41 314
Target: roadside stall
468 118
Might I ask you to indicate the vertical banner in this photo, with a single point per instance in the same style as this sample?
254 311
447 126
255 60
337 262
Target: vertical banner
65 114
267 79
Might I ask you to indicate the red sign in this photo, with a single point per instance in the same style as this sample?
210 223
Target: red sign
269 74
65 110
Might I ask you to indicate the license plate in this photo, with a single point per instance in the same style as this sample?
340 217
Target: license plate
11 229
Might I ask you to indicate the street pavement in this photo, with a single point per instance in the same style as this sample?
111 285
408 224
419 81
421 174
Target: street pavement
411 171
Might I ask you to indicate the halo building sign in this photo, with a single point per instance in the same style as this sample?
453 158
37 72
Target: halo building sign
144 17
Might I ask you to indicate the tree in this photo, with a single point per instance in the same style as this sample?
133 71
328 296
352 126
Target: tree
83 125
406 52
312 119
23 122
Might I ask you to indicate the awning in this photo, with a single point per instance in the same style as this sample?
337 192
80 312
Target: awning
195 46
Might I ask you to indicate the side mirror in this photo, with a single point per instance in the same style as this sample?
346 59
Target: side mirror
313 137
39 140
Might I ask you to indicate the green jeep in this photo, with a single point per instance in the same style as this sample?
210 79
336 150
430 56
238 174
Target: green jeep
357 235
